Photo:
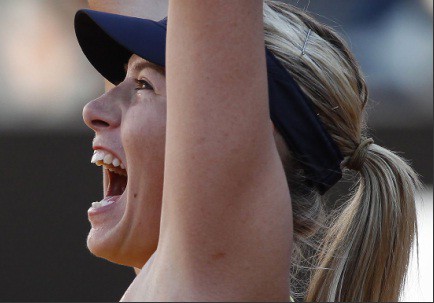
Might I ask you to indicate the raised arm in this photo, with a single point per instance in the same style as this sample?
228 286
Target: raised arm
226 216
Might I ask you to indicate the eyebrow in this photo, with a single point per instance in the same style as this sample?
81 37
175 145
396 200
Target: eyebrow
137 66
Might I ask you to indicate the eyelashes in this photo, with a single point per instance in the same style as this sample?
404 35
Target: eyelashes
143 84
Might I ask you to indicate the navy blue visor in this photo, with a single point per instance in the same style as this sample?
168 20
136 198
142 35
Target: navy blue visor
109 40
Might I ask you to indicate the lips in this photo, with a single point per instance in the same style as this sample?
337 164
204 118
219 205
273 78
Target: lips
116 174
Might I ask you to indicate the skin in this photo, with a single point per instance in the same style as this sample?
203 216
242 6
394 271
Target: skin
149 9
224 233
130 121
201 157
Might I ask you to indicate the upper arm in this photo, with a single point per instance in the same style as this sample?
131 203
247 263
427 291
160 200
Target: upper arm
226 212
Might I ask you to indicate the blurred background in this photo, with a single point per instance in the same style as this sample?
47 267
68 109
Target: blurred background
48 183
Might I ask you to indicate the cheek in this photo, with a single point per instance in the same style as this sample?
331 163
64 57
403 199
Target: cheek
144 129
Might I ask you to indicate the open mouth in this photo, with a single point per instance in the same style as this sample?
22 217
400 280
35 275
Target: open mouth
116 176
117 181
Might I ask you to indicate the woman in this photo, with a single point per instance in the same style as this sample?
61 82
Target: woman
211 198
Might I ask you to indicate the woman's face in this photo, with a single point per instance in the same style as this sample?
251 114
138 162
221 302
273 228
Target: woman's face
130 125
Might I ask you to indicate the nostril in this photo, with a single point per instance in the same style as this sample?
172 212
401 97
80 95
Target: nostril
102 113
100 123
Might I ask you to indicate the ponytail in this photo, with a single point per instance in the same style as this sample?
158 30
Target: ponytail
365 254
361 251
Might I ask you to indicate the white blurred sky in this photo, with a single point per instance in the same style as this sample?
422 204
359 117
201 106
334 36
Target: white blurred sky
420 280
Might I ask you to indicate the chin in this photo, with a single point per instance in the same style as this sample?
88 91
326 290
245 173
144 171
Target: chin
126 223
124 250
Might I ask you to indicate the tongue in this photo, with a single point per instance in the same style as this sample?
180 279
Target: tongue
117 184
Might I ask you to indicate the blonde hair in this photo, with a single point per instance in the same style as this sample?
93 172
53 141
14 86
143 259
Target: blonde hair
360 250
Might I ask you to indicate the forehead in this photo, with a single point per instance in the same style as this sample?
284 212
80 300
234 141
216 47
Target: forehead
136 64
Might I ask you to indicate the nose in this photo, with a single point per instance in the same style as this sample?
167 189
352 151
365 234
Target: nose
102 113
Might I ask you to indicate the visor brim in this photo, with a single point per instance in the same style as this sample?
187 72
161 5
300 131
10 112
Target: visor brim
109 40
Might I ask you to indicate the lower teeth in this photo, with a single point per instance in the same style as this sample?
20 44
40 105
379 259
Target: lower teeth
101 203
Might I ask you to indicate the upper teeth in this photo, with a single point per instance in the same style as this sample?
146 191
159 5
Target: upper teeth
101 157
